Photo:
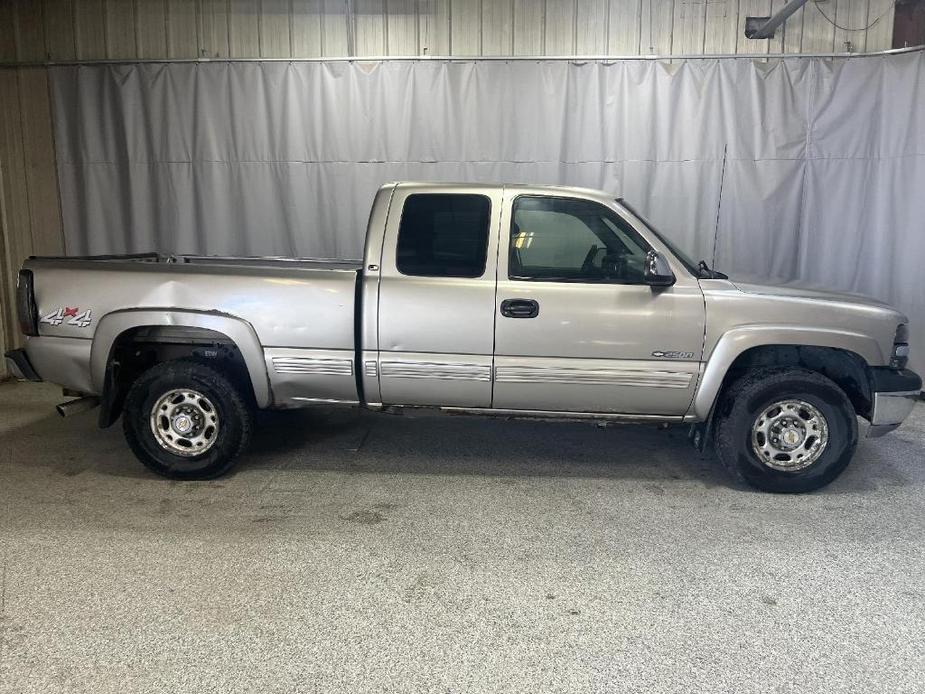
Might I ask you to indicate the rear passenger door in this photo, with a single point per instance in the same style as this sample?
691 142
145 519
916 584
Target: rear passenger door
437 296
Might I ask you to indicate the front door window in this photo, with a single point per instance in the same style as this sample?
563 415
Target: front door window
571 240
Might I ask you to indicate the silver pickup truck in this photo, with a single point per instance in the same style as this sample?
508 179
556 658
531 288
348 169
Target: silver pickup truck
520 301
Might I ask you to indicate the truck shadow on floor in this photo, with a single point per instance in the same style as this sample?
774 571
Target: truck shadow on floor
428 443
420 443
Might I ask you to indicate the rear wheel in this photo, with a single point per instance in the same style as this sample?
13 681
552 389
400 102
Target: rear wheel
785 430
185 420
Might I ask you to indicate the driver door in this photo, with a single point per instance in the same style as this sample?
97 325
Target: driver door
577 329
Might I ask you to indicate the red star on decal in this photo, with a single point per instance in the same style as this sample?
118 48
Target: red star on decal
68 311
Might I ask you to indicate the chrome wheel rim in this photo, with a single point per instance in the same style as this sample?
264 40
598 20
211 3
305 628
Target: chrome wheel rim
790 435
184 422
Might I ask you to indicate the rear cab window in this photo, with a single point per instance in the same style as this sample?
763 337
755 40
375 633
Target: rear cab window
443 235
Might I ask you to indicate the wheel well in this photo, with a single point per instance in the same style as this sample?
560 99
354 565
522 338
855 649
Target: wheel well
138 349
847 369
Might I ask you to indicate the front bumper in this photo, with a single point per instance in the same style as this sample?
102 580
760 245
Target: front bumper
894 393
19 365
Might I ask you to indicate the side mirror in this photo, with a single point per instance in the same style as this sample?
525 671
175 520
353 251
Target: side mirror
658 273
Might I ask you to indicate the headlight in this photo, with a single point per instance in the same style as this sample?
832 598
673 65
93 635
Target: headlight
900 356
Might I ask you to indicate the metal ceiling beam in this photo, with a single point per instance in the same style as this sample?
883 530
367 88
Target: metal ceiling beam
764 27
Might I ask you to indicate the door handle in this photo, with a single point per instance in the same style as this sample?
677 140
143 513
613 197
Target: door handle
520 308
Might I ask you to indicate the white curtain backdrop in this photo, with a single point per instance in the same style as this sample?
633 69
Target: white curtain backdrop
824 179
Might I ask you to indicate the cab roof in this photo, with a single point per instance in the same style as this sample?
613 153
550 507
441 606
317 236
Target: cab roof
536 189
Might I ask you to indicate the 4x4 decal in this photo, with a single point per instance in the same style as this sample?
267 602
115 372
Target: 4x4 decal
69 316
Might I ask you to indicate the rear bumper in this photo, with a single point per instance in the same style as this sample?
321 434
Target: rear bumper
894 394
19 365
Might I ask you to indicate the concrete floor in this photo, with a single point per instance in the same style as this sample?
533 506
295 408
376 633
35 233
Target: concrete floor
353 552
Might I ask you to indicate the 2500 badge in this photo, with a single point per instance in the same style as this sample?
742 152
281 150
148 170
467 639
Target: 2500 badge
69 316
659 354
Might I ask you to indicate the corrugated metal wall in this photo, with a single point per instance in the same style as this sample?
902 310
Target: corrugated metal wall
36 31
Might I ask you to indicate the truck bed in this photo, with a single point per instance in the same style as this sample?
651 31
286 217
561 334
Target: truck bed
300 313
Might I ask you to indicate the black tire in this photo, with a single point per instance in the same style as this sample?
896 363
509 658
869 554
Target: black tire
233 413
748 397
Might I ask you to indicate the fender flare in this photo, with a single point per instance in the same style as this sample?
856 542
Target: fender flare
739 340
238 331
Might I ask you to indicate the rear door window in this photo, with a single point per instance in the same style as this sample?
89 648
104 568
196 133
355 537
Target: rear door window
443 235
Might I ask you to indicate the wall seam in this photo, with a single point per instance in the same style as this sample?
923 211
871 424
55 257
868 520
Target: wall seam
54 148
7 328
25 160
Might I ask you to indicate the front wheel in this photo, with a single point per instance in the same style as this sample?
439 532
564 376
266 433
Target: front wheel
184 420
785 430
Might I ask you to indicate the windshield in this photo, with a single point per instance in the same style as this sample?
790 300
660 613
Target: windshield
691 266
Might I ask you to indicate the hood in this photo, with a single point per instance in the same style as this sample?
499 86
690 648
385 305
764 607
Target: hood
803 290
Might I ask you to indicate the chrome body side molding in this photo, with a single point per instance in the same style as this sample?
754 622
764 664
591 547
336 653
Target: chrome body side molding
441 371
615 376
313 365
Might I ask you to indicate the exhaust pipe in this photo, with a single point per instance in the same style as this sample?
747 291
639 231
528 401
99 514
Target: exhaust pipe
66 409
